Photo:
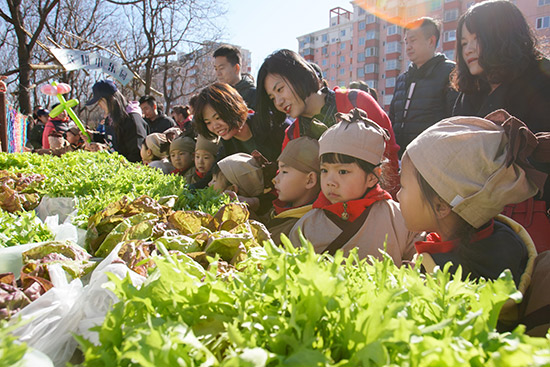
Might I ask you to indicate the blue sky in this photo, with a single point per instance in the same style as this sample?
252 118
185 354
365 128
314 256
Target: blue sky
263 26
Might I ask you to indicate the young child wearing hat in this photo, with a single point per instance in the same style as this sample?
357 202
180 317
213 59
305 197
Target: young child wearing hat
352 210
206 151
181 156
242 174
456 178
154 152
297 184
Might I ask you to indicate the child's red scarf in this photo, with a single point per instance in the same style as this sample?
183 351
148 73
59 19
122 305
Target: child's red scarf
351 210
434 245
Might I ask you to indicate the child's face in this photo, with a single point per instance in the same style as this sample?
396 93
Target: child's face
146 154
219 182
415 209
290 183
181 160
341 182
204 160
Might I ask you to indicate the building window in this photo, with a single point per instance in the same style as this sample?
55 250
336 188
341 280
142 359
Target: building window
371 51
387 99
361 11
544 2
372 83
393 47
371 18
342 59
435 5
361 41
543 22
324 50
393 64
360 73
324 38
450 54
370 35
343 32
392 29
342 71
390 82
360 57
332 66
343 46
333 53
449 1
362 25
371 68
451 15
449 36
324 62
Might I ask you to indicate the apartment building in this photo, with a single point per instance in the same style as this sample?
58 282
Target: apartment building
366 43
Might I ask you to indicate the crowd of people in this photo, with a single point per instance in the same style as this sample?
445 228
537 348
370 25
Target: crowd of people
458 146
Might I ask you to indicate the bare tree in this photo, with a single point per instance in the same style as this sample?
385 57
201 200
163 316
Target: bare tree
26 41
161 27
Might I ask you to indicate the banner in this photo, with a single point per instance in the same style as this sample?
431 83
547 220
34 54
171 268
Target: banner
75 60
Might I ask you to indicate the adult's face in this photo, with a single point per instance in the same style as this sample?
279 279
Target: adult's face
470 51
284 97
419 48
149 112
225 72
216 125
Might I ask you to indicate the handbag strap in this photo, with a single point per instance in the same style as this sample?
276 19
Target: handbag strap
349 229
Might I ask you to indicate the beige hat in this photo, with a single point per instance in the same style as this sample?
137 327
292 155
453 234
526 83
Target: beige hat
302 154
211 146
467 161
242 170
355 135
184 143
155 142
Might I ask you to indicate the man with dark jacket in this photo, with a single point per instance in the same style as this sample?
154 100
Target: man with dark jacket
423 95
157 121
227 64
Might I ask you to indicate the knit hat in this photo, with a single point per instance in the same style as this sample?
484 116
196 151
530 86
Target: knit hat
155 142
355 135
211 146
183 143
302 154
476 165
243 170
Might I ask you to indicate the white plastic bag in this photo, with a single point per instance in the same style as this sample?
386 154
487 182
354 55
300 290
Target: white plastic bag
70 308
55 206
66 230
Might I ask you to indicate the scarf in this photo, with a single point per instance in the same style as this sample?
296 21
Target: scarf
434 245
351 210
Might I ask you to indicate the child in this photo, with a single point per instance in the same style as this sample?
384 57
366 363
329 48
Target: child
457 176
154 152
352 209
181 156
205 157
297 184
242 174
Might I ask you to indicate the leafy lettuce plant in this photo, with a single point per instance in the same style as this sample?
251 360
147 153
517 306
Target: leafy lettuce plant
293 307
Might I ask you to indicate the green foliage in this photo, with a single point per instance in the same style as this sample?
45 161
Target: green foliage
97 179
11 351
293 307
22 228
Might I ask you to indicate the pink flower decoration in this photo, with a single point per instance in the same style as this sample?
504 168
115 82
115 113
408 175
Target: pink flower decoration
63 88
50 90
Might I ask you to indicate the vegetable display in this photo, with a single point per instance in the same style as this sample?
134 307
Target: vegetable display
97 179
296 308
21 228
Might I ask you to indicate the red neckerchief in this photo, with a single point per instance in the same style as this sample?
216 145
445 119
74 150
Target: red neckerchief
176 171
352 209
434 245
199 174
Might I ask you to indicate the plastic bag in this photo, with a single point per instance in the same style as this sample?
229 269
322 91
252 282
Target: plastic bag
52 318
70 308
65 230
55 206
